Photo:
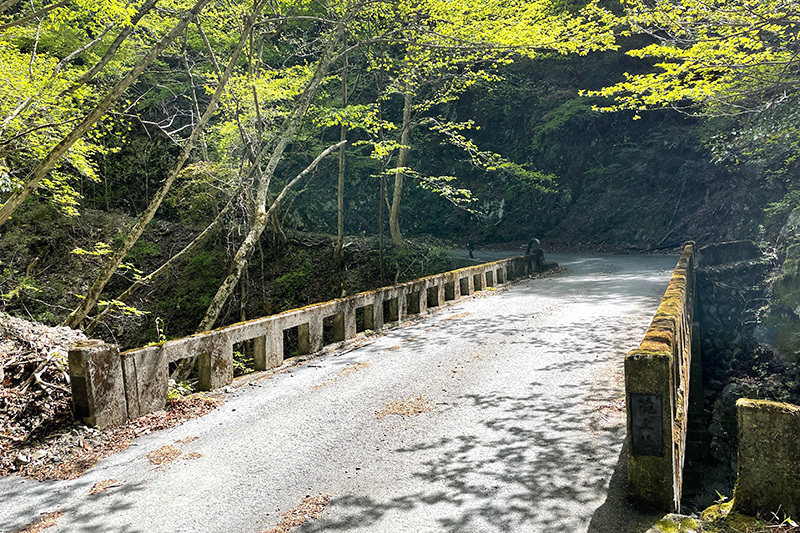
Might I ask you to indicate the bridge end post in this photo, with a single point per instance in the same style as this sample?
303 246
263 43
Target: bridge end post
650 406
97 382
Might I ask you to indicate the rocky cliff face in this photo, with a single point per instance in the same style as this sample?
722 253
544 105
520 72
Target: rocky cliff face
779 329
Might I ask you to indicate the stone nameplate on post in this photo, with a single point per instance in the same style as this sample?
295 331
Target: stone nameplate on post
646 433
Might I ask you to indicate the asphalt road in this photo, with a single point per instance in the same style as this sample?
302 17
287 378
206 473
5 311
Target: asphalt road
524 431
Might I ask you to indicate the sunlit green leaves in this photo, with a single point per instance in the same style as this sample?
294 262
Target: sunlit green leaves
711 55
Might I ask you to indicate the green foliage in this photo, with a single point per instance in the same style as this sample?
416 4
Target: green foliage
122 308
186 294
242 363
177 391
100 249
714 56
776 212
143 249
289 286
17 289
40 101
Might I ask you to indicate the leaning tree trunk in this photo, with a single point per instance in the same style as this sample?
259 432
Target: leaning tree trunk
47 164
240 259
394 213
75 318
262 215
112 50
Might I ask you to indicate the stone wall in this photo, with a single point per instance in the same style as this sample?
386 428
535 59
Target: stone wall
109 387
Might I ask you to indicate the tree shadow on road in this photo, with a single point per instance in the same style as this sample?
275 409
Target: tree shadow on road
536 462
616 514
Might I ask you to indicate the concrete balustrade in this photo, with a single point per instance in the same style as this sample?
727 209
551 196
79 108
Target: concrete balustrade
109 387
657 378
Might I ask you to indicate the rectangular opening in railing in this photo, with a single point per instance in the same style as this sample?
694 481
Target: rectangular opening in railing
290 343
450 291
433 296
390 310
463 286
412 302
365 318
243 356
333 328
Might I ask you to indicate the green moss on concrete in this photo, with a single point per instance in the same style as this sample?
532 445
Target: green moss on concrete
769 460
673 523
720 518
650 481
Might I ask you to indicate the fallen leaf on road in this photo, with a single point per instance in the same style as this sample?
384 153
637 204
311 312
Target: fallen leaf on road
102 486
310 508
47 520
408 407
165 454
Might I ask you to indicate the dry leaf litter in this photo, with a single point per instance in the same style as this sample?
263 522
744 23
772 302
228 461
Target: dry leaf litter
38 435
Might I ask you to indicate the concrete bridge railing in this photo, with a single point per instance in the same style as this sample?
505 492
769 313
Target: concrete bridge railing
657 377
109 387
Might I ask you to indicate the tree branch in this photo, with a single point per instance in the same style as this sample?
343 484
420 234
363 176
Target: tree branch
34 15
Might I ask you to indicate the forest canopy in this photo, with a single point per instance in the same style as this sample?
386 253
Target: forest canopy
233 85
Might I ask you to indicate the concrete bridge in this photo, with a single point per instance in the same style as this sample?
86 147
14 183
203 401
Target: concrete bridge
501 412
500 406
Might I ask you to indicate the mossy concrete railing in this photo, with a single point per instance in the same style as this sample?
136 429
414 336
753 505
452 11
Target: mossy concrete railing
769 459
109 387
657 376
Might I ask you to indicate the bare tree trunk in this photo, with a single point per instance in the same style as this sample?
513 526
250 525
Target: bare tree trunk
240 259
394 213
93 295
381 199
337 250
47 164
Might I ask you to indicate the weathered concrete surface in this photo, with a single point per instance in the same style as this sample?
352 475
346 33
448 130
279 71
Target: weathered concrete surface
98 388
769 459
146 381
526 435
657 378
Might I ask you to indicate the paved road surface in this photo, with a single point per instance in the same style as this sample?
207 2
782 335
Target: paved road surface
525 434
